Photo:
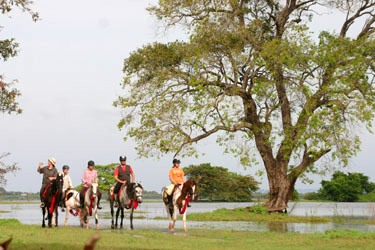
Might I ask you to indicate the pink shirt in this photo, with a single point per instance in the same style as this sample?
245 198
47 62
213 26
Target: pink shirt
89 176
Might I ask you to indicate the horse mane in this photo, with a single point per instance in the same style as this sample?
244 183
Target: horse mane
130 188
187 185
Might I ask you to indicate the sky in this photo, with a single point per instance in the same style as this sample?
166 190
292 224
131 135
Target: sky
69 71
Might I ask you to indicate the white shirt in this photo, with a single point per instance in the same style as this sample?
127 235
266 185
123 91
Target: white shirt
67 181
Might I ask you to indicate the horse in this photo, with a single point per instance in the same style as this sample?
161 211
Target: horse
129 196
180 201
72 204
90 206
52 196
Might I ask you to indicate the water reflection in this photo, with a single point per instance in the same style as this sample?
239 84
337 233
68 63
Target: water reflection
145 214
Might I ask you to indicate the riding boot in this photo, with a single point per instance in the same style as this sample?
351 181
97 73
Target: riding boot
98 205
115 203
169 199
41 199
82 201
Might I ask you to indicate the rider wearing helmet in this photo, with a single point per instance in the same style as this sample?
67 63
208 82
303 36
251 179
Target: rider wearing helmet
177 178
89 176
122 175
66 186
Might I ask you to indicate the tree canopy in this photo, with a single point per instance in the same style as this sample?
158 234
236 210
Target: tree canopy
252 74
217 183
9 48
346 187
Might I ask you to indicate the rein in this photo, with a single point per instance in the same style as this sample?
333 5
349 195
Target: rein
77 211
133 203
187 200
45 190
52 205
92 198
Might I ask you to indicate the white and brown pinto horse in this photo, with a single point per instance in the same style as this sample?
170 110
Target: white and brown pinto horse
72 204
90 207
180 201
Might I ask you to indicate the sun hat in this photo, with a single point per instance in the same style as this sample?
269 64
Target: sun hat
52 160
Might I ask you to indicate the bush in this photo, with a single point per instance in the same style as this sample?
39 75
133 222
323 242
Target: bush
258 209
312 196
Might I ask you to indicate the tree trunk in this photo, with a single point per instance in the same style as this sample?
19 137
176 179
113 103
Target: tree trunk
281 190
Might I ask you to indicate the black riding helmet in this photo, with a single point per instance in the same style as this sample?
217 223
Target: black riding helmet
65 167
91 163
122 158
176 161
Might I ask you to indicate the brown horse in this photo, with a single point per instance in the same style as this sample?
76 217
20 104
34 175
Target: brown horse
180 201
52 197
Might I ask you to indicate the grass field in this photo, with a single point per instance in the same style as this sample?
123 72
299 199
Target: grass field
35 237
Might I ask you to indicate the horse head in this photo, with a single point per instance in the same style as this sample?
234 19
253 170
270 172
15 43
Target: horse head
191 187
94 189
136 191
59 183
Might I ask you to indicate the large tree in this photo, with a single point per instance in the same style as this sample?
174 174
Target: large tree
254 74
8 93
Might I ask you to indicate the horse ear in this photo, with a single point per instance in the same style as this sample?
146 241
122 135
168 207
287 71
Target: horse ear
5 244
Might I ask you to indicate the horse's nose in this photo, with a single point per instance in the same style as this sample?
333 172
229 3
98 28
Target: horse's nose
139 199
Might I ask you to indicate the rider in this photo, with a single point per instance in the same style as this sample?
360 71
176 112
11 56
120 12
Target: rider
122 176
177 178
66 186
49 174
89 175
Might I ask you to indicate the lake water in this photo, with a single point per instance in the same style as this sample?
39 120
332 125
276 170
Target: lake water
146 212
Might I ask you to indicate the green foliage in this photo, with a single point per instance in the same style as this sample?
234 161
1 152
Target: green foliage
9 48
252 74
370 197
346 187
217 183
258 209
312 196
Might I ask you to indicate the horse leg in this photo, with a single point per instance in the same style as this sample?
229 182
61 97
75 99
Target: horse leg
131 218
170 214
122 217
44 215
117 214
112 212
67 211
49 218
56 216
184 220
96 219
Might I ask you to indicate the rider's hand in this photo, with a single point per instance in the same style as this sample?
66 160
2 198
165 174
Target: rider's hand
40 165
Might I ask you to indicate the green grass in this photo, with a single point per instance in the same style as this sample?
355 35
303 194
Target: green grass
34 237
254 214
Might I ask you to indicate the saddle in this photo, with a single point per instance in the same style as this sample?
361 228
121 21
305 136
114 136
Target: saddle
168 198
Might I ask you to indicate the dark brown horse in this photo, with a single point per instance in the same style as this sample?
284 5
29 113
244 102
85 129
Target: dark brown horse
52 196
180 201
